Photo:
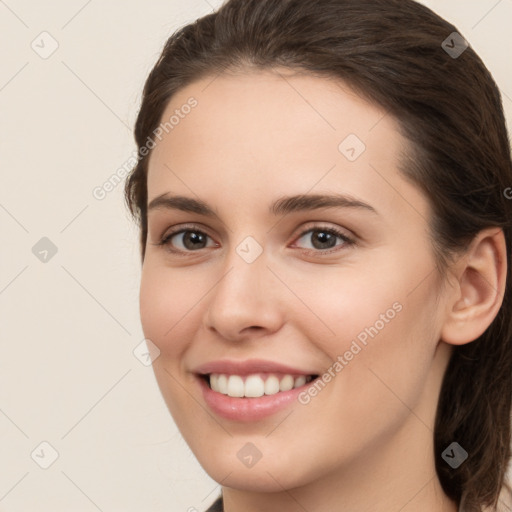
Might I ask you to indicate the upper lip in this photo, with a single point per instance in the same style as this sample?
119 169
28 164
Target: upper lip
249 366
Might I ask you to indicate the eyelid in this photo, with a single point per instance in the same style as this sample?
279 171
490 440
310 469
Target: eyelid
348 239
163 240
320 225
191 226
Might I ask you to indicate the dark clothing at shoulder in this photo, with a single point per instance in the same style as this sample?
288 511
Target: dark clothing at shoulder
217 506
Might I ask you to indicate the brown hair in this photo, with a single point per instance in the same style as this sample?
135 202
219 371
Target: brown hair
448 107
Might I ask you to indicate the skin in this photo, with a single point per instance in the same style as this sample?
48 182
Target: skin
365 442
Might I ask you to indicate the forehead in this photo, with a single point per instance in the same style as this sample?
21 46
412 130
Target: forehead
265 133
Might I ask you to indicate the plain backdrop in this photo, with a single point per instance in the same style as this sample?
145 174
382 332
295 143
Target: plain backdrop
83 426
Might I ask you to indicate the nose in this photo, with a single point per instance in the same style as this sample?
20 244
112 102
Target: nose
246 302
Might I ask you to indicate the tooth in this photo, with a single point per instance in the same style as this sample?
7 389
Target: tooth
222 384
271 385
254 386
286 383
235 386
299 381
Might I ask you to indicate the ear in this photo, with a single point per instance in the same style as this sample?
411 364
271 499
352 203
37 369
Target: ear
476 297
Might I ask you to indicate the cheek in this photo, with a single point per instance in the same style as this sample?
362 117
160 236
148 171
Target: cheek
395 351
384 326
169 311
168 307
334 306
380 379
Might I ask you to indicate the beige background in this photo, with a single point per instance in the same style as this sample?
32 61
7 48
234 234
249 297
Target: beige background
68 375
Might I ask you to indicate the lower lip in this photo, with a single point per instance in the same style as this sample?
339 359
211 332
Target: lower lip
248 409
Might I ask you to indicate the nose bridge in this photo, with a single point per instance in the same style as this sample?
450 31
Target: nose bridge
243 296
244 276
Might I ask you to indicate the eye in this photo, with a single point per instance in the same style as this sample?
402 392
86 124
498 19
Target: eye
186 239
323 239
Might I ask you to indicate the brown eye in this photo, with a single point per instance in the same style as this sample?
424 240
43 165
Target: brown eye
190 240
322 239
186 240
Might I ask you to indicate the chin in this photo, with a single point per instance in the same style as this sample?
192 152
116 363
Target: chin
266 476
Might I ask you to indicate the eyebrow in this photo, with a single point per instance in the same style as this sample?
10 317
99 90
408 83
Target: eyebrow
282 206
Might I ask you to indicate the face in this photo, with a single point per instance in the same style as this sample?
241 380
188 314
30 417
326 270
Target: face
254 293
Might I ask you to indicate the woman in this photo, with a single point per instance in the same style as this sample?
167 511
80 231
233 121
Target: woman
325 232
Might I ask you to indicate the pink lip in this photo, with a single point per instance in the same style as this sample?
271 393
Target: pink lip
249 366
248 409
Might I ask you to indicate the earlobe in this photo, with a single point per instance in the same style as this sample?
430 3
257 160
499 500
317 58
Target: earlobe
478 294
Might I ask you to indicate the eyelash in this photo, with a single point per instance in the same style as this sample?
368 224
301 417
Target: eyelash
347 241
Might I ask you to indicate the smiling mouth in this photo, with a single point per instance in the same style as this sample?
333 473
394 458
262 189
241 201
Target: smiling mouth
255 385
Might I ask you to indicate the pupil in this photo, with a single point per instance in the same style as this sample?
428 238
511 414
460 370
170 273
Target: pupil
194 238
325 238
